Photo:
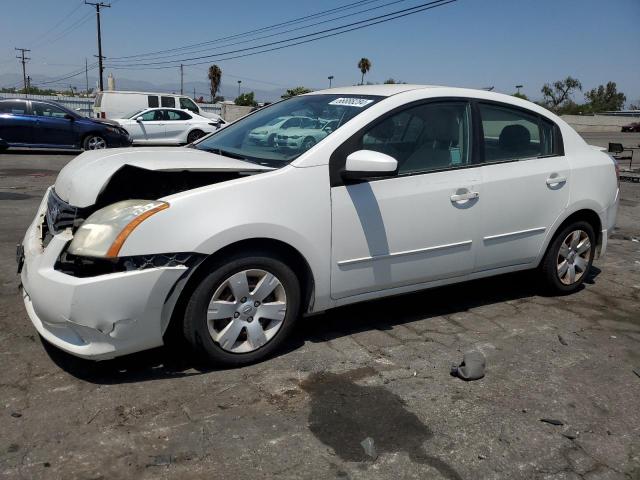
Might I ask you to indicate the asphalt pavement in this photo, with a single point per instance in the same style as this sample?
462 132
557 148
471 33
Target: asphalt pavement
377 371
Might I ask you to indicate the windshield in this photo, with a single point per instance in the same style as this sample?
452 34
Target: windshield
133 114
281 132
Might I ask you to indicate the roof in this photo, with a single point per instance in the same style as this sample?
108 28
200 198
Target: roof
143 93
385 90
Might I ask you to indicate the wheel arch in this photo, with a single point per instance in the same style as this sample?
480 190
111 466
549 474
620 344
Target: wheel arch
294 259
586 214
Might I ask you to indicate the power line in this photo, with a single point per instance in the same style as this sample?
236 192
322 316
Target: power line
319 35
60 22
117 61
269 27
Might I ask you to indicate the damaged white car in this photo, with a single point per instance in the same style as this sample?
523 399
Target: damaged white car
229 241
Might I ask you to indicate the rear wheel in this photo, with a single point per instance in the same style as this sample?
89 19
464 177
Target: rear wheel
194 135
307 143
94 142
243 310
569 257
271 140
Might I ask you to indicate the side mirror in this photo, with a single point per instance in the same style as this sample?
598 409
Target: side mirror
69 117
369 163
139 119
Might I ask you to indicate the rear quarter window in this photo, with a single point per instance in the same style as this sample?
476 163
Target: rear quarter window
15 108
153 101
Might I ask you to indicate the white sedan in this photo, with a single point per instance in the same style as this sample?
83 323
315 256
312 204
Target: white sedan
229 242
167 126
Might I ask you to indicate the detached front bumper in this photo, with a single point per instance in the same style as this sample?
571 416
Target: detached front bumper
97 317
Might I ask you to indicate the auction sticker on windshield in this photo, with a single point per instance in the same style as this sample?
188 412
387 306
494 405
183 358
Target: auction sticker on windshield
351 102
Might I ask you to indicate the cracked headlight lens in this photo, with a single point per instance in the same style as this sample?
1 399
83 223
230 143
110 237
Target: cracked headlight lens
105 231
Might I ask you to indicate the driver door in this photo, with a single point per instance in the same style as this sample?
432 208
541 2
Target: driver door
420 225
151 126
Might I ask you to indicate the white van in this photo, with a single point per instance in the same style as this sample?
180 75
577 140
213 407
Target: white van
118 104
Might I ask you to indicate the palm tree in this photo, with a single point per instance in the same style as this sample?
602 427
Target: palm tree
364 65
215 75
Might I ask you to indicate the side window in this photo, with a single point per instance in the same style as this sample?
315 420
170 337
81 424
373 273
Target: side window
44 110
16 108
169 102
153 101
307 122
176 115
153 115
433 136
187 104
513 134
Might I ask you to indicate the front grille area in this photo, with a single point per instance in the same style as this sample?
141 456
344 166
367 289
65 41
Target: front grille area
61 215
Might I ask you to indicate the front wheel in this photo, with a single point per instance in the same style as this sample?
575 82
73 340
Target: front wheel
569 257
243 310
94 142
194 135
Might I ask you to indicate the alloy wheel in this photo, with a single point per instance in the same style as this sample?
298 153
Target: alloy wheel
246 311
96 143
573 257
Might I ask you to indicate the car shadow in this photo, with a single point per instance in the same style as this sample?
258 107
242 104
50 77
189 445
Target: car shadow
40 151
175 360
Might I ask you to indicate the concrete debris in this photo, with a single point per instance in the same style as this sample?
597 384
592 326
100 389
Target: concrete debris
552 421
369 447
562 340
472 367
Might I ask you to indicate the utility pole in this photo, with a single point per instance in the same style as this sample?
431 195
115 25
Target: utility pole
86 74
100 57
23 60
518 87
194 94
330 77
239 82
181 79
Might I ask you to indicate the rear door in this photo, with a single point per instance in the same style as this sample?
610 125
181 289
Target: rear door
176 126
526 180
53 127
16 122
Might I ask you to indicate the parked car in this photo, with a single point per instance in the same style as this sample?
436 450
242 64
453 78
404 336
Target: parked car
266 134
40 124
304 138
167 126
117 104
632 127
230 242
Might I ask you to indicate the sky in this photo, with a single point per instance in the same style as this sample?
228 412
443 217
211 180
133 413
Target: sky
470 43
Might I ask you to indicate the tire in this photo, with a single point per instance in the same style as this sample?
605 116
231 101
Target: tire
232 336
271 140
94 142
194 135
568 260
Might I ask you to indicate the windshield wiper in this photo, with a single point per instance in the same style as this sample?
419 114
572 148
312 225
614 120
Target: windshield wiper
225 153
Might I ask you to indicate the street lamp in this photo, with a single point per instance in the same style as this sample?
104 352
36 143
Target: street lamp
330 77
518 87
239 82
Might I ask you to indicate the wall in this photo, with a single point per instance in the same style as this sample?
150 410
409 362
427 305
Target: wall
597 123
231 112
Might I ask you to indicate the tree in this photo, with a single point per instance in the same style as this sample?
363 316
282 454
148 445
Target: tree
364 65
390 81
292 92
246 100
605 98
559 92
520 95
215 76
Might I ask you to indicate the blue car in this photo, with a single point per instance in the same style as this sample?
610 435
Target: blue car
41 124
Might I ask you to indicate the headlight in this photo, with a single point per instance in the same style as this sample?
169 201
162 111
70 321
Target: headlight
113 130
104 232
261 132
294 136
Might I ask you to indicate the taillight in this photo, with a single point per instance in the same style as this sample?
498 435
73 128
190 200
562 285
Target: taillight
102 115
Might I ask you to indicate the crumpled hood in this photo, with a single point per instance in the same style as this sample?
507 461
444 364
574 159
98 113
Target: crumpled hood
81 180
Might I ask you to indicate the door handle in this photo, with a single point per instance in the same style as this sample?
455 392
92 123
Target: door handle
551 181
460 197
